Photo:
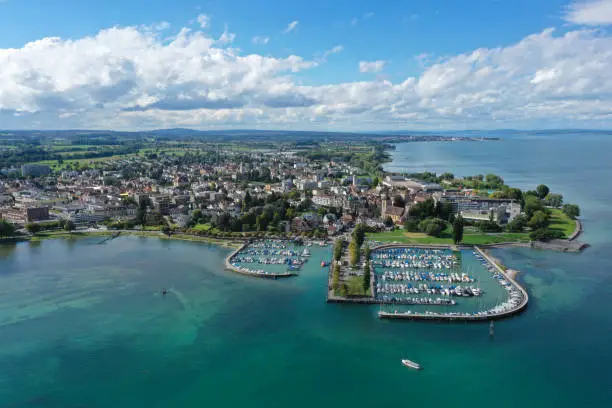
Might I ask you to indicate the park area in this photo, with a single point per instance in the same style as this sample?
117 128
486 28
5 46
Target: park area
472 236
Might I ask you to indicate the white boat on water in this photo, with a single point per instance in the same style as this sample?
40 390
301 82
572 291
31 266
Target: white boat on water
306 252
411 364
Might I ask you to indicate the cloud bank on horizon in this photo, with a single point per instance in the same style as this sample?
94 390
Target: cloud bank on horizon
142 77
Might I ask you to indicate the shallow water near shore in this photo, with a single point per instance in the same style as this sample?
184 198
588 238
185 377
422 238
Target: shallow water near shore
85 325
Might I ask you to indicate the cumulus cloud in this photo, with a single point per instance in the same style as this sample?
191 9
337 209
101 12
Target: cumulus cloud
260 40
138 78
291 26
590 12
371 66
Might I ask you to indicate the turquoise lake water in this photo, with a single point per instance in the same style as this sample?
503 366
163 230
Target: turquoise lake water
84 325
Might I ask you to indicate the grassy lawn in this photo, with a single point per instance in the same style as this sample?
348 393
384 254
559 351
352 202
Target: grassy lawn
561 222
206 227
355 287
475 238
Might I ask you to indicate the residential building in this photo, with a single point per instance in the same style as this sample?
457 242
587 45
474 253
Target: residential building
161 203
35 170
25 215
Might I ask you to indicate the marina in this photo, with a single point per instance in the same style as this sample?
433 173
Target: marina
514 301
271 258
467 284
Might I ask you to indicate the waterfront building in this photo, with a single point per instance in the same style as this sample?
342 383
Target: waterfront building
481 208
24 215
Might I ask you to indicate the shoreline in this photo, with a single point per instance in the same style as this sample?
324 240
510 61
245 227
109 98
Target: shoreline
228 243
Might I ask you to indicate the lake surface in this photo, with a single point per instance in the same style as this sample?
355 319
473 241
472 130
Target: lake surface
84 325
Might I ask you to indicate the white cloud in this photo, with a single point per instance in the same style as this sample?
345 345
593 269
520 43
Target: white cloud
138 78
371 66
226 38
291 26
357 20
334 50
260 40
203 20
591 12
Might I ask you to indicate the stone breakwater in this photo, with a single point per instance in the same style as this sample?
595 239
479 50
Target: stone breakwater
577 231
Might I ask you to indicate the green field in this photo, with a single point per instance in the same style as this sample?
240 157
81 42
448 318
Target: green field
404 237
561 222
206 227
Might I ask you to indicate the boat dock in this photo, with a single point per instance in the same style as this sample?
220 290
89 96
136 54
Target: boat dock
229 265
502 313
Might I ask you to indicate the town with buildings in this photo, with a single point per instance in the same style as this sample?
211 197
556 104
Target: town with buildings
255 192
395 236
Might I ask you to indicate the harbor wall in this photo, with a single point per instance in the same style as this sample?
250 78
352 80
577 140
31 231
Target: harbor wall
577 231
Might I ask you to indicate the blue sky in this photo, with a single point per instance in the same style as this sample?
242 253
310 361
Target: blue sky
344 64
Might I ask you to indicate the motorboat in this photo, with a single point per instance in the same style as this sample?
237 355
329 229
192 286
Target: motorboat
411 364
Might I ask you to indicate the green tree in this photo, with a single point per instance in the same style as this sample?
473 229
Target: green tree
542 191
532 204
366 277
290 214
545 234
33 227
69 226
554 200
246 202
366 253
443 210
336 278
7 229
411 224
223 221
432 226
294 195
517 224
538 220
338 247
359 235
353 253
458 229
424 209
571 210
